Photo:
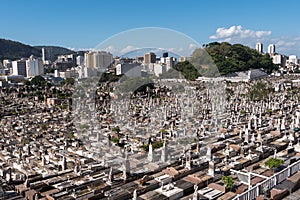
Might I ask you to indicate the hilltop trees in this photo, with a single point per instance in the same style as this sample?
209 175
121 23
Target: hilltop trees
237 57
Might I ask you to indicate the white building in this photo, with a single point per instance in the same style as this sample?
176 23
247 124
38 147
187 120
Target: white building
130 70
159 69
170 62
259 47
99 60
80 60
279 60
293 59
34 67
19 67
271 49
7 63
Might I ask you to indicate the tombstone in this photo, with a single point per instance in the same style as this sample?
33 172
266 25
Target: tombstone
283 124
110 176
297 118
249 156
150 153
126 162
195 195
43 160
211 168
259 137
188 163
134 195
64 163
208 154
246 136
164 153
275 153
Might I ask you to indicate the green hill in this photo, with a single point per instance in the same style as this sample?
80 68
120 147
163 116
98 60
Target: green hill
237 57
15 50
56 50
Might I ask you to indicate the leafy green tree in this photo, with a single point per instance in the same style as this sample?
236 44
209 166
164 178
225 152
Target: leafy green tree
273 162
231 58
70 81
38 81
227 180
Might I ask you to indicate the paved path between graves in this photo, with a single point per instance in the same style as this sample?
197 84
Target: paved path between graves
293 196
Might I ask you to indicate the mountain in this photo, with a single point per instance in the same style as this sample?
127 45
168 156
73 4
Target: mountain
15 50
56 50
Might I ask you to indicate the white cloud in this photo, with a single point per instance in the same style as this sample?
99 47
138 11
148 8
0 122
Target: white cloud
128 49
192 46
110 48
238 32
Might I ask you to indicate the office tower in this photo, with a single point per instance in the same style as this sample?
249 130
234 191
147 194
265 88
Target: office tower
100 60
19 67
149 58
259 47
271 49
34 67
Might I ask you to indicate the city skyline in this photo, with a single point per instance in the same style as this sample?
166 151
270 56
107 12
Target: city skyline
81 26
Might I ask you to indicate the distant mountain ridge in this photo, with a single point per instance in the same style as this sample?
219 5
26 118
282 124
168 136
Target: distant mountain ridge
15 50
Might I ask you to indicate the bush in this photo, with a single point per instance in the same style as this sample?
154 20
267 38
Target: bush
273 163
227 180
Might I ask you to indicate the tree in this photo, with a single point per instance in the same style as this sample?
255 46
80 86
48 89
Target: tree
70 81
259 91
231 58
273 162
38 81
227 180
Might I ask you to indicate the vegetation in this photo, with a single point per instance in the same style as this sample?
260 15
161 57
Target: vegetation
227 180
84 126
38 81
115 140
116 129
259 91
155 145
188 70
70 81
231 58
44 127
55 50
25 140
15 50
273 162
133 85
109 77
220 59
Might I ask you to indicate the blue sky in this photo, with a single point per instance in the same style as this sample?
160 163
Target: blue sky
84 24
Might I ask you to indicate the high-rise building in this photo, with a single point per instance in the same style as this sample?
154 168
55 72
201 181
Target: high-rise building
149 58
7 63
34 67
79 60
271 49
19 67
279 60
259 47
165 54
293 59
99 60
170 62
47 54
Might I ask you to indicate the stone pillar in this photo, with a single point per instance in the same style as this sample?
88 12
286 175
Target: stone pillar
150 153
